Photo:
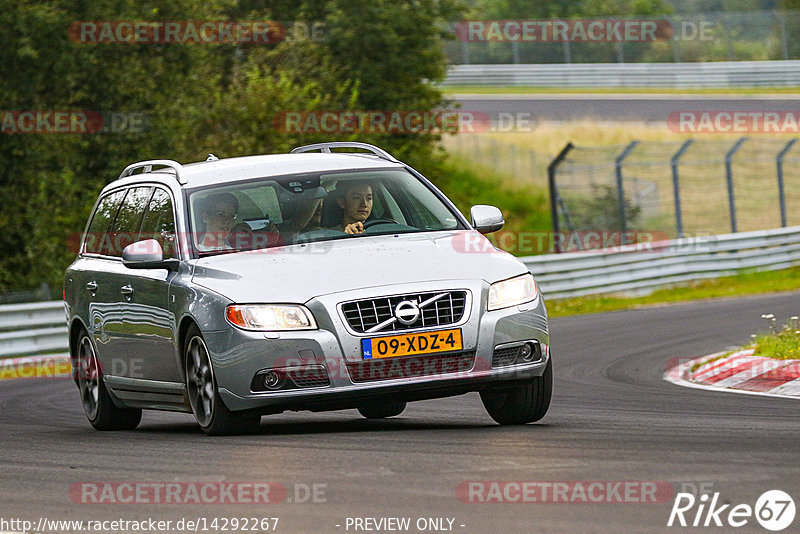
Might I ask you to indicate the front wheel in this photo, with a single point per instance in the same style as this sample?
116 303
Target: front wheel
201 386
382 410
521 404
100 410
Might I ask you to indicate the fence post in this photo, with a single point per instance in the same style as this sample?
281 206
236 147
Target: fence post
551 180
784 43
729 179
567 52
676 186
676 42
781 194
620 189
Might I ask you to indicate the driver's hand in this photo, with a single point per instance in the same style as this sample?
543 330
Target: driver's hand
240 236
354 228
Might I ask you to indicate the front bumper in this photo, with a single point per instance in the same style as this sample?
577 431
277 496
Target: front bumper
238 356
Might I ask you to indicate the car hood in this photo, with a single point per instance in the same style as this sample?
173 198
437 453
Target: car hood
298 273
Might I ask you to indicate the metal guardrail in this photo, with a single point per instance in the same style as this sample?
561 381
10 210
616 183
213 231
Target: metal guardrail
714 74
35 328
647 266
38 328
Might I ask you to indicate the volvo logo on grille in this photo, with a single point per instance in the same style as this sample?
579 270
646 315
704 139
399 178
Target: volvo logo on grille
407 312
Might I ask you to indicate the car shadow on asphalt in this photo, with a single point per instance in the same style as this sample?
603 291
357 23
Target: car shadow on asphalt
343 426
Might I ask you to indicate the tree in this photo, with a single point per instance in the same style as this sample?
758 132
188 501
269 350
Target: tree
198 98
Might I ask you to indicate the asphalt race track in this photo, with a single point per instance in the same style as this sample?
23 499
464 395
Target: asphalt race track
618 107
613 418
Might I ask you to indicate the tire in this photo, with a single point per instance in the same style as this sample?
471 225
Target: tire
382 410
208 408
522 404
100 410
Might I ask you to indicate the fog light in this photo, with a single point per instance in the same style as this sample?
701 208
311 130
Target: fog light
273 380
528 353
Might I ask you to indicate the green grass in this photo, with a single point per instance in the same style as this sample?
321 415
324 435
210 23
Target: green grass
475 89
783 344
731 286
526 208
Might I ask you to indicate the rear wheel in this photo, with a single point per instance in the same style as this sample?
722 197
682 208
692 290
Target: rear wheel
520 404
97 404
382 410
201 386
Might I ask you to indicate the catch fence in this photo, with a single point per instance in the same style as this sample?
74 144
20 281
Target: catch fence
677 189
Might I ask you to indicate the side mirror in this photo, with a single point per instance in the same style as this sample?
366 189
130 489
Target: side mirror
147 254
486 219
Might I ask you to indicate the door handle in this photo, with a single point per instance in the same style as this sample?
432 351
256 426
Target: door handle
126 290
91 286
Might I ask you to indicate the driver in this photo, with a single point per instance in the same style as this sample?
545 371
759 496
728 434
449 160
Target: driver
355 199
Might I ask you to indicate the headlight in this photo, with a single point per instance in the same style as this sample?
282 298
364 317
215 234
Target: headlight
512 292
270 317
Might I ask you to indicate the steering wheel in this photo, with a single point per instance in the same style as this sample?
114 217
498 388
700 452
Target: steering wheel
240 237
376 222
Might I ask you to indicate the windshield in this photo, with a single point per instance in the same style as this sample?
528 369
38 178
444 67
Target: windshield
295 209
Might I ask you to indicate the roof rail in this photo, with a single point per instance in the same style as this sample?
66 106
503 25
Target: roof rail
326 147
148 167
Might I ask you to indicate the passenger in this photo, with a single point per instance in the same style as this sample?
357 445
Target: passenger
355 199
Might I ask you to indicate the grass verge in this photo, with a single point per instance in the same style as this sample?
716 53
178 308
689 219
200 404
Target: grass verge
781 344
526 207
730 286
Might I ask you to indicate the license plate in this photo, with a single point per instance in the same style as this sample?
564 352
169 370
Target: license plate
411 344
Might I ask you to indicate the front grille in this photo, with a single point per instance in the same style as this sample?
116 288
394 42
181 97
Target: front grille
362 315
411 367
310 377
505 356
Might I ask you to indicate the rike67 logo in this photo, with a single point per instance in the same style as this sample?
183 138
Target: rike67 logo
774 510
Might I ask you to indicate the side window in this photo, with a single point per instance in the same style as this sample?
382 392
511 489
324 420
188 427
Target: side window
159 223
97 236
125 227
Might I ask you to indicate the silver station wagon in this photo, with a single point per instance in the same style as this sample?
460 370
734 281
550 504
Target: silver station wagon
317 280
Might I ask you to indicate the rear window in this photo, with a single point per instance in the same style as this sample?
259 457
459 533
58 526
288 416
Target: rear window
125 227
159 223
96 237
